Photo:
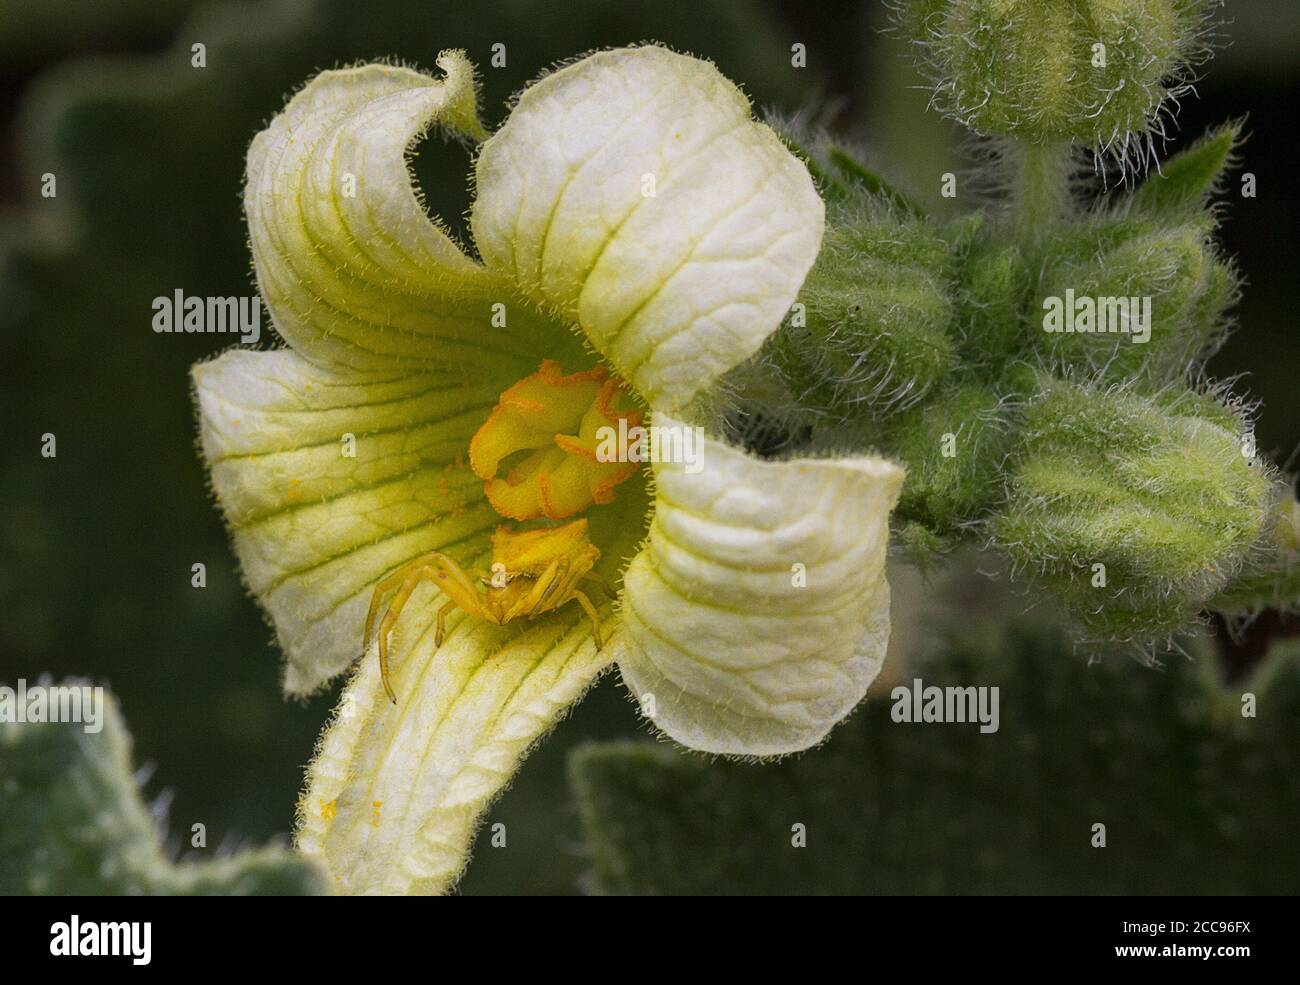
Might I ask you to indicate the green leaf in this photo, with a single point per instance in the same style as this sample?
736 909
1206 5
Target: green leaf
839 174
856 174
1195 797
72 824
1190 177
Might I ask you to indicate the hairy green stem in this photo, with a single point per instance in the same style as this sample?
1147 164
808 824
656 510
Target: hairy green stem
1040 186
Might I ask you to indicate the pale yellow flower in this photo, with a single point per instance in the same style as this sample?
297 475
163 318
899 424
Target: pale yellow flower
629 212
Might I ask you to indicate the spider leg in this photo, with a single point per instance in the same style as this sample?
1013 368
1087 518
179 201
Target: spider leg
558 570
451 578
440 633
390 618
590 610
383 588
545 585
599 580
435 567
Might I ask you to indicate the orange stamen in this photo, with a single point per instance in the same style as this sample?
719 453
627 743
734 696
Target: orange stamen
556 422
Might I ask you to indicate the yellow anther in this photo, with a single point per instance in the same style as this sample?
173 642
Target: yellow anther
543 435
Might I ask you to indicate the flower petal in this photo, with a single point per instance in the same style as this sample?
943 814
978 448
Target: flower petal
395 793
634 193
758 612
314 528
352 269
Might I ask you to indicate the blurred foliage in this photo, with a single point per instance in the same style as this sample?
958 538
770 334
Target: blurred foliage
96 545
1195 798
30 31
72 824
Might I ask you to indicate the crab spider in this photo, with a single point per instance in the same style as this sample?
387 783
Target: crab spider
542 571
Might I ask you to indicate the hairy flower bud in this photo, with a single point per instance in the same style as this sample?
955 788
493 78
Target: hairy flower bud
1095 71
1136 511
870 331
1128 298
954 447
996 287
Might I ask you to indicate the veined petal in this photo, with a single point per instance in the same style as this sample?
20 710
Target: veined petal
635 193
758 612
395 793
329 483
354 273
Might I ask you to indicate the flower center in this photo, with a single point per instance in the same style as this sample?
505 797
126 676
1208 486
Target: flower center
537 452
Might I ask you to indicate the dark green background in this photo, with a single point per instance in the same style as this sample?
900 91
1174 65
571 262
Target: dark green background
96 545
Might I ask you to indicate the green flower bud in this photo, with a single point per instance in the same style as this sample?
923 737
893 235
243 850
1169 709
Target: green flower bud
954 447
996 287
1287 525
870 331
1130 298
1095 71
1272 578
1136 511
